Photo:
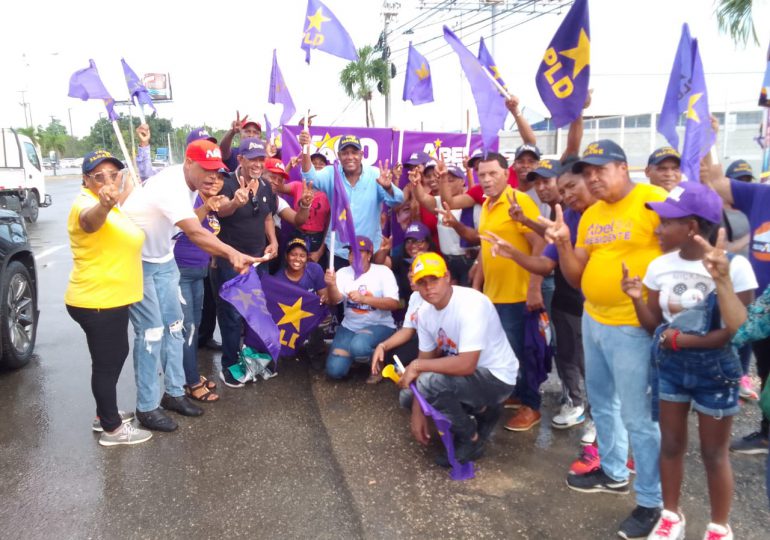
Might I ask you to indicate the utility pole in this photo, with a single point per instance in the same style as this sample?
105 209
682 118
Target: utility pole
24 105
389 13
69 113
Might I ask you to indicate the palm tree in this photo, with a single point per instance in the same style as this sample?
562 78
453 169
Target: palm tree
30 132
734 18
52 141
359 78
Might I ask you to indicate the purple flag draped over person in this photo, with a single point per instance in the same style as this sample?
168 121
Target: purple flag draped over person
279 92
324 32
342 220
418 83
764 94
245 293
563 76
135 87
86 84
489 103
488 62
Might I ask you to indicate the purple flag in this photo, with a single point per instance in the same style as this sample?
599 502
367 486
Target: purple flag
85 84
488 62
764 94
135 87
268 129
418 85
296 311
279 92
489 103
245 293
342 220
562 79
677 94
324 32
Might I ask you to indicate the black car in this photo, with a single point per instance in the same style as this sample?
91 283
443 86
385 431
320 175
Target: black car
18 292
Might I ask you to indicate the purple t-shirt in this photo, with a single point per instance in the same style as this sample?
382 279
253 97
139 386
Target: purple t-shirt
566 298
754 201
187 254
571 220
312 280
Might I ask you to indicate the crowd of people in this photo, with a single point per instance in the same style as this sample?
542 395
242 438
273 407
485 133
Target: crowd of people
649 287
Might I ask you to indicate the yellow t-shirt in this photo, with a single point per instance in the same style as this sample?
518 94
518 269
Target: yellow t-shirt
505 282
612 234
107 263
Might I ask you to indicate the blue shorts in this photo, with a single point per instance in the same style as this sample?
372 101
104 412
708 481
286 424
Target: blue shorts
708 378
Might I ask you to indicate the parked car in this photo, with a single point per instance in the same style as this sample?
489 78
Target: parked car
22 182
19 312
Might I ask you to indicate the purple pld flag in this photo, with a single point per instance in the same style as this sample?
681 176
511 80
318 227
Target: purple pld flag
296 311
279 92
764 94
268 129
489 103
342 220
459 471
418 83
677 94
324 32
135 87
85 84
245 293
488 62
563 75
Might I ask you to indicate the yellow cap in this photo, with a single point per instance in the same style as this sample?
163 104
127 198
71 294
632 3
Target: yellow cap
428 264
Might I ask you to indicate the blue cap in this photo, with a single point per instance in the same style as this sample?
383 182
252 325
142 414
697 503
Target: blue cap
416 231
349 140
662 154
738 169
690 199
454 170
252 148
547 168
524 148
93 159
600 153
198 134
417 158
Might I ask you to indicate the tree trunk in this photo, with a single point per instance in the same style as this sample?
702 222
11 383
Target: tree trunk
366 104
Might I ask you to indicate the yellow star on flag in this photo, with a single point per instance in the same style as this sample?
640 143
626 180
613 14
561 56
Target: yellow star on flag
423 72
691 113
343 215
437 143
245 299
317 20
580 54
293 314
328 142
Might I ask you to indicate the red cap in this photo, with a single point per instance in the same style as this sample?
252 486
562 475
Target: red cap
206 154
276 166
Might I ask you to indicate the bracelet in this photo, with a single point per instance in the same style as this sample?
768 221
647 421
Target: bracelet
305 207
674 344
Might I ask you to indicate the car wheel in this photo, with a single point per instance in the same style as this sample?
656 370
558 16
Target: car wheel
31 207
18 322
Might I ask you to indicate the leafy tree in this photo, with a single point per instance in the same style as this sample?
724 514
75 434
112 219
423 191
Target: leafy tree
359 78
30 132
734 17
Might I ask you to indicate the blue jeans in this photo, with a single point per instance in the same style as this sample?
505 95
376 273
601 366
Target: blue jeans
191 284
158 337
512 319
617 362
349 346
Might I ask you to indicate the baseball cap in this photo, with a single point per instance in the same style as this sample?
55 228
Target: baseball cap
320 155
663 153
690 199
454 170
524 148
276 166
416 231
296 242
476 155
247 122
428 264
252 148
364 244
349 140
417 158
600 153
198 134
430 164
206 154
738 169
547 168
93 159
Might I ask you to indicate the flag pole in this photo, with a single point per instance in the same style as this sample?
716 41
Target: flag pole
467 132
126 155
400 145
332 242
503 91
142 119
307 128
131 131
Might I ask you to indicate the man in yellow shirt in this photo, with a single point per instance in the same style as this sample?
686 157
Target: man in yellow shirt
616 230
511 288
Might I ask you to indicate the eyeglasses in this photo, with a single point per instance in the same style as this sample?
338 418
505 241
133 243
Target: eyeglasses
103 176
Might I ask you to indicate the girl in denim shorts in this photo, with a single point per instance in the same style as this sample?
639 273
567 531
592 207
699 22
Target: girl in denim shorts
694 363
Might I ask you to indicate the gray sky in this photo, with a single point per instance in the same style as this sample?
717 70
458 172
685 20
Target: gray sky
220 60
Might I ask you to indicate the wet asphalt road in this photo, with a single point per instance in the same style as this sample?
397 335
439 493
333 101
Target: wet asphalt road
293 457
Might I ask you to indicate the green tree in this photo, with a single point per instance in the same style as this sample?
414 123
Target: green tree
359 78
30 132
734 17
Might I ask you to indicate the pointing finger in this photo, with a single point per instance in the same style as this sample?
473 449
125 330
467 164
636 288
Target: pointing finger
722 239
625 270
559 214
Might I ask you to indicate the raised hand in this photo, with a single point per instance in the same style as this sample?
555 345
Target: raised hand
466 159
306 198
330 278
441 168
398 168
632 286
447 217
108 195
514 210
556 231
304 138
715 257
415 176
241 196
238 123
292 163
386 175
386 244
143 134
512 104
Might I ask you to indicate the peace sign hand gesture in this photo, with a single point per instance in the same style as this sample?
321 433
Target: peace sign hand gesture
715 257
514 210
306 198
238 123
386 175
556 231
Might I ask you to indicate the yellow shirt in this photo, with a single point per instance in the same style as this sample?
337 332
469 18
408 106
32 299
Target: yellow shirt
505 282
107 263
612 234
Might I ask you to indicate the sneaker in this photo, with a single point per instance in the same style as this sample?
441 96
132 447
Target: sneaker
670 526
229 380
640 523
569 416
126 434
754 443
746 389
589 433
524 419
125 417
587 462
598 482
718 532
512 403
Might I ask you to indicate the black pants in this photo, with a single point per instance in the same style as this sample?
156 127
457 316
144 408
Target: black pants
762 354
209 316
107 336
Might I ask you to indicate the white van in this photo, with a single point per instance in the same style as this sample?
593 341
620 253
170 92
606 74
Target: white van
22 183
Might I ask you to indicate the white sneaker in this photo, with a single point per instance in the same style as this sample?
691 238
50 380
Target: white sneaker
124 417
670 526
589 433
569 416
127 434
718 532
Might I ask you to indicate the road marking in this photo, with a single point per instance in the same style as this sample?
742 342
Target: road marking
49 251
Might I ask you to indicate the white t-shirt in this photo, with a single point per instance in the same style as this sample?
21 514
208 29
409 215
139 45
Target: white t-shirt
410 318
468 323
448 239
282 205
379 282
545 208
683 284
156 207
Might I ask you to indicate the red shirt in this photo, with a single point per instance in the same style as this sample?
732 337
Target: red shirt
477 194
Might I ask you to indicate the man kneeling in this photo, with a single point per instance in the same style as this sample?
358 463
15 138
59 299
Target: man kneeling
465 368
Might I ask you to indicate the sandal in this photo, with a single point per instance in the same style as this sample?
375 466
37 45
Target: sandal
199 392
211 385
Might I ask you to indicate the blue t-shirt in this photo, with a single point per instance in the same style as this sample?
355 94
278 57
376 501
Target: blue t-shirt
754 201
312 280
571 220
566 298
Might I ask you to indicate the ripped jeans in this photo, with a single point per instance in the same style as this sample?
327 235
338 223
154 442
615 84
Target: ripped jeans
349 346
158 335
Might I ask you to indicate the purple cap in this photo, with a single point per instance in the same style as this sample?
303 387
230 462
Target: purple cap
252 148
364 244
417 158
198 134
476 155
416 231
690 199
454 170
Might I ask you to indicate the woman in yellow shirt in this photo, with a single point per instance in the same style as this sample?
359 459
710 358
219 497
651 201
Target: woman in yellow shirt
106 278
